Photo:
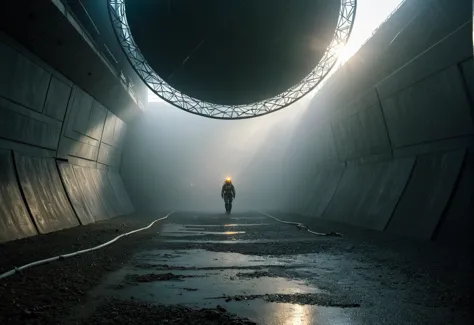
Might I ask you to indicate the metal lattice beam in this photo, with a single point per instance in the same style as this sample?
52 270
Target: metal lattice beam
231 112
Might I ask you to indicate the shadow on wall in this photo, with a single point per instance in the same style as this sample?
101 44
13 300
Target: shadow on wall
60 150
393 150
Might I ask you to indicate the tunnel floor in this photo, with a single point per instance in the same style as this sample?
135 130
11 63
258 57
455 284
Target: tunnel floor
240 269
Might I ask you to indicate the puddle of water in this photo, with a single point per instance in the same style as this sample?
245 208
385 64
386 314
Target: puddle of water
230 225
205 284
174 230
192 232
249 218
201 288
201 258
272 313
207 288
239 241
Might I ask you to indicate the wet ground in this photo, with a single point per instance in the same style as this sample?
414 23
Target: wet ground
246 269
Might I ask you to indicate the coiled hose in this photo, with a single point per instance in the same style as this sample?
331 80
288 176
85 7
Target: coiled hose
63 256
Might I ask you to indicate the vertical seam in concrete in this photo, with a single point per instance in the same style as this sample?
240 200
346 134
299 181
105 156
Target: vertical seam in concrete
66 192
64 122
335 190
89 117
20 187
113 133
450 198
117 200
102 134
384 121
401 194
47 92
466 89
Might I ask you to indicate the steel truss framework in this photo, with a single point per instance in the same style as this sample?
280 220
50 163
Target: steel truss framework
343 30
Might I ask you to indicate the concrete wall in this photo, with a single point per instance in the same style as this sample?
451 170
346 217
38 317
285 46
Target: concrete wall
60 150
50 29
398 118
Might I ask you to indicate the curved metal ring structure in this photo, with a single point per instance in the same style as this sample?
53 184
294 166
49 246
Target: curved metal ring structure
230 112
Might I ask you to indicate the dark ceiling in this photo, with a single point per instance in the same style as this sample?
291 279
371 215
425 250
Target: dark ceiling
232 51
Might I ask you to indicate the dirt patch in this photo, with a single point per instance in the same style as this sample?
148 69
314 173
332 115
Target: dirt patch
132 312
159 267
45 294
190 289
152 277
318 299
256 274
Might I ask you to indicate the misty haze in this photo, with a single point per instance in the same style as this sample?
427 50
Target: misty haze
236 162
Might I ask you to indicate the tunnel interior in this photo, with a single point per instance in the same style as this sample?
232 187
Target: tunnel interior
352 205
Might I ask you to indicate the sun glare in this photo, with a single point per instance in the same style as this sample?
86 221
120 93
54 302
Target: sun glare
344 53
370 14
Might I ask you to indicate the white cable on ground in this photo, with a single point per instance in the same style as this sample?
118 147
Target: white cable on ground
60 257
300 225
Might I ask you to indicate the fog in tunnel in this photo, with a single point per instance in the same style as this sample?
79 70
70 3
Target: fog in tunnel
176 160
365 185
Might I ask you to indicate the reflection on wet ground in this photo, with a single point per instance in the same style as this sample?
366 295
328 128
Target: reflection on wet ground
175 230
236 241
281 288
229 225
257 287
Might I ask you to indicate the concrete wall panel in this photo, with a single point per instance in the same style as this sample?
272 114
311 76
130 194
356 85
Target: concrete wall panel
437 19
419 63
426 194
74 192
76 148
90 70
44 193
414 28
362 134
456 225
96 122
8 57
468 72
90 192
320 146
108 135
57 99
103 191
433 109
120 192
445 53
36 103
119 133
109 155
107 191
21 80
81 136
24 125
367 194
298 196
15 221
324 184
26 149
80 111
29 84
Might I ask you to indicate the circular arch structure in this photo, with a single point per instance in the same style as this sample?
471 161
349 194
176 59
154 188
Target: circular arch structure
192 105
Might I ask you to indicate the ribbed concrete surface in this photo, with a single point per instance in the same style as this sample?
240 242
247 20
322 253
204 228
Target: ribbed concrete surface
45 116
